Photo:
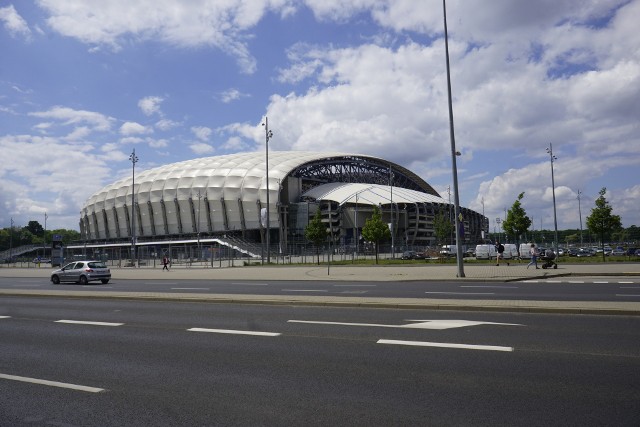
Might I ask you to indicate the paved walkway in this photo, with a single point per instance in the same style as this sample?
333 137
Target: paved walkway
409 272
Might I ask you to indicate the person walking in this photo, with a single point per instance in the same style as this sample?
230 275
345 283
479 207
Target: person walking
534 256
499 253
165 263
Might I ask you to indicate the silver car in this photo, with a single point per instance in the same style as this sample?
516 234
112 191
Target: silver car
82 272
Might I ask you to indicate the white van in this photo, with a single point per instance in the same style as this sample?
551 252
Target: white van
525 250
485 252
510 251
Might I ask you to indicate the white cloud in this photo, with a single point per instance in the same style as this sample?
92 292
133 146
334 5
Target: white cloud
133 128
13 22
166 124
157 143
201 148
150 105
201 132
68 116
230 95
223 25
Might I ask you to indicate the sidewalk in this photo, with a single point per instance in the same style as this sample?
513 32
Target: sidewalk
413 272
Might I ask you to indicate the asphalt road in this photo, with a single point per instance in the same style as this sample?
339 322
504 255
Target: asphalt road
168 364
559 289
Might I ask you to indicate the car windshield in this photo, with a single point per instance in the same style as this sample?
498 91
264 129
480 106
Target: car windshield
97 265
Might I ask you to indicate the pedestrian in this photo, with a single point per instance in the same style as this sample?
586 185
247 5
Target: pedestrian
165 263
499 253
534 256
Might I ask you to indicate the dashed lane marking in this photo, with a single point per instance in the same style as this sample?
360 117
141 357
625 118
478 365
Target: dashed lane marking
52 383
304 290
190 289
85 322
446 345
356 286
489 286
5 317
235 332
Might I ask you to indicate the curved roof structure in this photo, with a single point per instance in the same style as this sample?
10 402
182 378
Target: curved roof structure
227 192
370 194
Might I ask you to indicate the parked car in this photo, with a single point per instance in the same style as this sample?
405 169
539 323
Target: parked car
82 272
618 252
573 251
637 252
412 255
584 252
632 251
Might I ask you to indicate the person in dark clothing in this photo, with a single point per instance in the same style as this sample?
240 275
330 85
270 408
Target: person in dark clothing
499 253
165 264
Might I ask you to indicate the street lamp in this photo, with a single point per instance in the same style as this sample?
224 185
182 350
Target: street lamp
134 160
580 213
553 190
393 246
454 153
268 135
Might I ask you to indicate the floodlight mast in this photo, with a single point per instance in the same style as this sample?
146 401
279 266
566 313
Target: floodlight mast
454 153
134 160
268 135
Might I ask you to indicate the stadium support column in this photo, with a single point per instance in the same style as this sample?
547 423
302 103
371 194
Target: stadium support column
454 153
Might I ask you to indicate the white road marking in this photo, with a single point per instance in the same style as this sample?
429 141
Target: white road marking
5 317
354 292
462 293
52 383
595 281
26 285
576 281
554 281
84 322
303 290
627 283
530 281
190 289
446 345
236 332
422 324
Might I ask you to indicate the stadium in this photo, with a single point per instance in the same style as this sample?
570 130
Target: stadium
222 201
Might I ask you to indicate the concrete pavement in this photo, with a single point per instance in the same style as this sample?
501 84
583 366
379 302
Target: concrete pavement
407 272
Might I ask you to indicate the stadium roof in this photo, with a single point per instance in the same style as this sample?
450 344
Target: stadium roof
371 194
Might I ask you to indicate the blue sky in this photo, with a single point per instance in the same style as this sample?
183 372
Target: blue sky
83 83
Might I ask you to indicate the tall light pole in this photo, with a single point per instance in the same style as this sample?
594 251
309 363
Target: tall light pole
134 160
553 191
44 236
11 241
393 246
267 136
580 213
454 166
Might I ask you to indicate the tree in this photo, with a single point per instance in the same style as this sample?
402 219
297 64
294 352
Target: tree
517 222
442 227
35 228
375 230
316 232
602 222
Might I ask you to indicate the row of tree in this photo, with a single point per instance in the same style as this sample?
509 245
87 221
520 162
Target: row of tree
33 234
601 223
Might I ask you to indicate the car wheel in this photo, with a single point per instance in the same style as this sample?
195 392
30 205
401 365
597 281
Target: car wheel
104 281
83 280
55 280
